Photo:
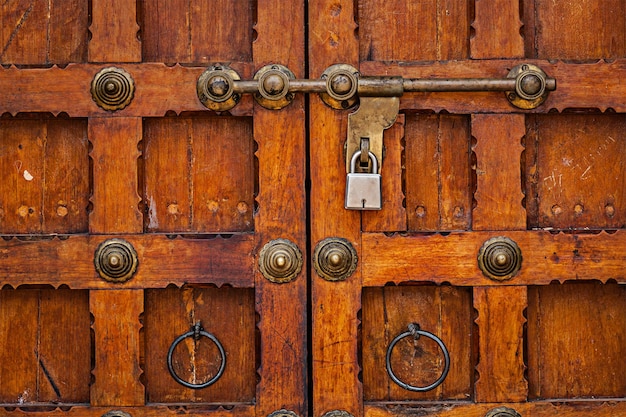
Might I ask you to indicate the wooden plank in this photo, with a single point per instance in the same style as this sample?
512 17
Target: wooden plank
393 215
496 30
114 31
180 310
452 258
23 37
577 331
222 410
281 213
163 89
498 185
68 33
443 311
162 261
115 190
117 368
560 30
598 408
501 365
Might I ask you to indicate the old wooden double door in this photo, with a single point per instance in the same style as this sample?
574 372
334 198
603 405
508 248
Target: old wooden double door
140 237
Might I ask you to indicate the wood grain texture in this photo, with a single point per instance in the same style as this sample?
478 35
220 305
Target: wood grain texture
226 313
445 312
226 410
177 31
496 30
43 32
114 31
453 258
578 332
162 261
500 320
585 30
498 172
115 195
117 368
575 171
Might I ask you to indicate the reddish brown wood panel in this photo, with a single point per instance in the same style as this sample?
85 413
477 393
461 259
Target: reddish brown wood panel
584 30
498 172
575 171
444 311
438 175
496 30
116 333
43 32
405 30
162 261
231 410
577 340
392 217
45 167
46 353
453 258
114 31
500 320
199 175
196 31
226 313
115 195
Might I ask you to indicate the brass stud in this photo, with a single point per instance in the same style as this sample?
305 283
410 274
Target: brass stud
341 86
531 86
274 86
337 413
282 413
502 412
116 413
334 259
280 261
112 88
215 88
116 260
500 258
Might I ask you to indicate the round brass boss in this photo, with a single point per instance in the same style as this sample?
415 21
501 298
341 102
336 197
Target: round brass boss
112 88
337 413
500 258
334 259
116 260
282 413
530 86
215 88
342 82
274 86
502 412
280 261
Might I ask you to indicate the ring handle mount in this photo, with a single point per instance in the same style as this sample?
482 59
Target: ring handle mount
196 333
415 332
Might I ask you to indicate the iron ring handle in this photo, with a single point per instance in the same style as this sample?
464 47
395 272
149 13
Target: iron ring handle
196 332
414 331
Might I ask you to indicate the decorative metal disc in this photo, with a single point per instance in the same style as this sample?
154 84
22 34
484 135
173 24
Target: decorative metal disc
283 413
500 258
116 260
112 88
337 413
530 87
274 86
116 413
502 412
280 261
215 88
341 85
335 259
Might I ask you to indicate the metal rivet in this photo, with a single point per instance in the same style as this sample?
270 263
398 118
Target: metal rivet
500 258
112 88
274 84
341 84
578 209
531 84
116 260
280 261
556 209
609 209
334 259
420 211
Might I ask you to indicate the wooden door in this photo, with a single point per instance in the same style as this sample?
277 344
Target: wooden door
176 205
461 169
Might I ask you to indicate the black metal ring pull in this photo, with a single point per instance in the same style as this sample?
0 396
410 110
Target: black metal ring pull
415 332
196 332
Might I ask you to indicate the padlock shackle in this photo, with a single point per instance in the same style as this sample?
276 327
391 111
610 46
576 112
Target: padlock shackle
356 155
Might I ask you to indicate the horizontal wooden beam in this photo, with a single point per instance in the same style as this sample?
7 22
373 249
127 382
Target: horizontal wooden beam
162 261
452 258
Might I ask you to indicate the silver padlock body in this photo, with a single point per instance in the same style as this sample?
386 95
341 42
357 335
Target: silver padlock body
363 191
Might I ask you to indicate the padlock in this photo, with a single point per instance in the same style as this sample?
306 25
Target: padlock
363 189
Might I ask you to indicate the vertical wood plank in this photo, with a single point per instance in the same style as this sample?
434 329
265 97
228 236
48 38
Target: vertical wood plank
280 136
499 186
497 30
114 31
23 33
392 217
115 182
68 32
501 344
116 329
